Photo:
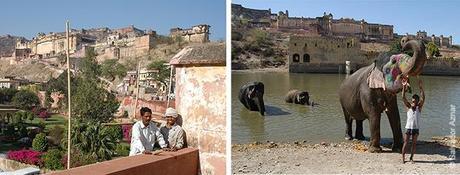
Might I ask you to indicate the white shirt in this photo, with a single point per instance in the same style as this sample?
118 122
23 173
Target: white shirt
144 138
412 118
174 135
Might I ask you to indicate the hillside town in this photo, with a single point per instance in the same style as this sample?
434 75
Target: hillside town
122 70
324 43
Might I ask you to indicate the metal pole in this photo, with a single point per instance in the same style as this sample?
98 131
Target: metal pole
137 89
68 94
170 84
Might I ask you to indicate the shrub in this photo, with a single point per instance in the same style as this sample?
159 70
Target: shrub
40 143
122 150
79 159
52 160
25 99
56 133
25 156
44 114
127 132
114 132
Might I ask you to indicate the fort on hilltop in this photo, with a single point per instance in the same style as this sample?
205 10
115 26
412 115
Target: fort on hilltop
126 42
325 25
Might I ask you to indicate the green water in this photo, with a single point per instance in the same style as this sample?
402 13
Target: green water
290 122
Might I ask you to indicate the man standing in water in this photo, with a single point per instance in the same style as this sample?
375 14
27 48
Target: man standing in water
144 134
414 110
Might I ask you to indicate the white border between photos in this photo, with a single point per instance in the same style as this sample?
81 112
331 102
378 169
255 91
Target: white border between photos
228 87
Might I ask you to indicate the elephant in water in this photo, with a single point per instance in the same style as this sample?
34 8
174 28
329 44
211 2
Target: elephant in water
371 90
297 97
251 96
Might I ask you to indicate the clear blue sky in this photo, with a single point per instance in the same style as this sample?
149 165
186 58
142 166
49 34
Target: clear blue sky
408 16
27 18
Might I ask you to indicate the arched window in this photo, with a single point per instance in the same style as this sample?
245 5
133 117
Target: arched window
295 58
306 58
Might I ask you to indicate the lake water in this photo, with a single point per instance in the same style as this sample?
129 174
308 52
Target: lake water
285 122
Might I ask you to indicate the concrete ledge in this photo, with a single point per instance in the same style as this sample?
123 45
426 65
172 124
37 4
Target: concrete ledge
184 161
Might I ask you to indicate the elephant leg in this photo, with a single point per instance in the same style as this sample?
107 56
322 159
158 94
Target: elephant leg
349 123
374 124
395 123
359 130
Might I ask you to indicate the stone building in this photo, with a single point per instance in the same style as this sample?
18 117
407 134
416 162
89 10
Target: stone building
12 82
54 44
324 25
196 34
200 100
324 54
440 41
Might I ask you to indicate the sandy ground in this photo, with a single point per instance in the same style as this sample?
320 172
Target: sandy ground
351 157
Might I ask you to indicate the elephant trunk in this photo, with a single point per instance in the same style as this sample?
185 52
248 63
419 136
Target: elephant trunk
417 61
260 104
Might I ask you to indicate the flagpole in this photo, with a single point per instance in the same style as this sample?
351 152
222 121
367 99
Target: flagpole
137 89
68 94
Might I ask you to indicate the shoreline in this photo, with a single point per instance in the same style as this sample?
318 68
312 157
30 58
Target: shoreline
432 156
286 70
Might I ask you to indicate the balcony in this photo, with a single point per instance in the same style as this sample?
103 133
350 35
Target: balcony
184 161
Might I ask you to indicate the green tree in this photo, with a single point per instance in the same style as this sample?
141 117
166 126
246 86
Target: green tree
88 67
6 94
40 143
163 71
111 69
433 50
92 102
52 159
25 99
93 139
395 47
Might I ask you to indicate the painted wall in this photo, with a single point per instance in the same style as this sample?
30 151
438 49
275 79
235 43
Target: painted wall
201 101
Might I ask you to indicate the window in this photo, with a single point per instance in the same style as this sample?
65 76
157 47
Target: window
295 58
306 58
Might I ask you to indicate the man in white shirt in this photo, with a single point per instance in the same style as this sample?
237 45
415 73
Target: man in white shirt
144 134
172 132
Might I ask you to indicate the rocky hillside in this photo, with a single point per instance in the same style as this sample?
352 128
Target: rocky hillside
256 49
7 45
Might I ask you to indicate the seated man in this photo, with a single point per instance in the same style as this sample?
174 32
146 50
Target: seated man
144 134
173 133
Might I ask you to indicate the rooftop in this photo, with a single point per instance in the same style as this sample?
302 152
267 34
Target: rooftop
202 54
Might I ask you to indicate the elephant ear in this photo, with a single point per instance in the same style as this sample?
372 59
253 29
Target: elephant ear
398 66
376 79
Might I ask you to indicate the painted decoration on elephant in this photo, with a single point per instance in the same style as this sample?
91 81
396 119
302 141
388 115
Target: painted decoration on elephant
393 70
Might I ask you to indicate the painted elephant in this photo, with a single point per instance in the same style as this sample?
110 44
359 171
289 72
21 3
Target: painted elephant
252 96
371 90
297 97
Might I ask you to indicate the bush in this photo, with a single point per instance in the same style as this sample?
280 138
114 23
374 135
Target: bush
25 156
40 143
16 130
114 132
79 159
127 132
56 133
25 99
52 160
44 114
122 150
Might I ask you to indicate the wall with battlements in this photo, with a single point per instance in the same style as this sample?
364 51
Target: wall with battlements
324 54
196 34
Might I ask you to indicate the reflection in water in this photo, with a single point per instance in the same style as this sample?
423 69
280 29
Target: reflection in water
274 111
325 122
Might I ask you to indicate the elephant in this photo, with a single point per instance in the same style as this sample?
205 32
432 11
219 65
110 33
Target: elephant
251 96
371 90
297 97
